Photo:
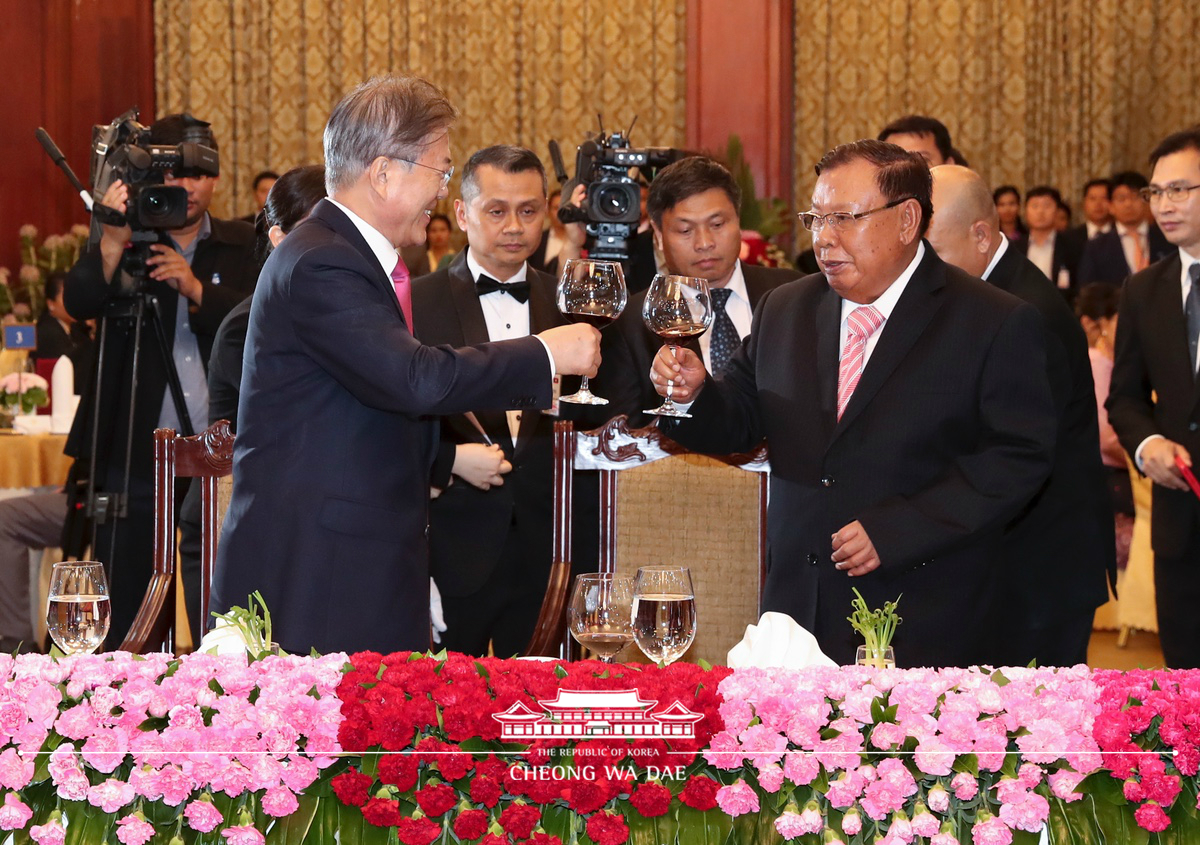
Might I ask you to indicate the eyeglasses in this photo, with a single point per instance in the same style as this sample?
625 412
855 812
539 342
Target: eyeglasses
842 220
446 174
1175 193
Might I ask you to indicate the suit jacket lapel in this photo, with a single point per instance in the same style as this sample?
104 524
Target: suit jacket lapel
1167 306
912 313
829 325
337 220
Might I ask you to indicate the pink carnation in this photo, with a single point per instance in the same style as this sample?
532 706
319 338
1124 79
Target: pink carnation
801 768
1063 783
737 799
991 832
792 825
938 798
925 824
965 787
111 795
202 816
944 839
50 833
15 771
14 815
770 778
132 830
1149 816
934 757
1029 813
243 835
851 822
279 802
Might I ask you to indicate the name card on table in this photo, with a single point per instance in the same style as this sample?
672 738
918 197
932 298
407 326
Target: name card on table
20 336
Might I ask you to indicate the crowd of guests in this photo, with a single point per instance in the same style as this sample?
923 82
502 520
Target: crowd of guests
930 433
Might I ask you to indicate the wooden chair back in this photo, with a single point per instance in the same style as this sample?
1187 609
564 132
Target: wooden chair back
207 457
660 503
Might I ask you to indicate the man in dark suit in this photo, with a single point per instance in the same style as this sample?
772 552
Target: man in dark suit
1097 219
693 207
907 412
491 528
1059 554
1043 245
1154 401
197 274
1133 244
331 468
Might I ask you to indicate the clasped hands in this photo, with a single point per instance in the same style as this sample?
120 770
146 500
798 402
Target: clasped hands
683 369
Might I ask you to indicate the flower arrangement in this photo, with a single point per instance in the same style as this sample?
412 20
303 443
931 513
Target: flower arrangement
23 392
242 630
857 755
38 260
876 627
431 762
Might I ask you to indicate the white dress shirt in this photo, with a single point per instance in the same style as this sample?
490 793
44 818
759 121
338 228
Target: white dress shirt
1093 230
1142 233
1042 255
507 318
885 305
738 307
1003 248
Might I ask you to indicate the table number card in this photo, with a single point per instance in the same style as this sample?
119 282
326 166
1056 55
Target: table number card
20 336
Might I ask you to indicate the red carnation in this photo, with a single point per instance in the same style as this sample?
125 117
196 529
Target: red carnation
543 839
520 819
417 831
455 766
351 787
1151 817
486 791
471 824
700 793
495 839
436 800
382 812
543 790
398 770
651 799
493 766
607 829
585 796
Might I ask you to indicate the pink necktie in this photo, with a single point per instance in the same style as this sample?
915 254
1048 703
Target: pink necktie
403 286
863 322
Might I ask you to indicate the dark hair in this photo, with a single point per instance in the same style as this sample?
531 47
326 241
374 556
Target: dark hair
1044 191
1062 206
1177 142
54 283
263 174
170 130
289 201
900 174
504 157
393 115
1104 183
443 218
1097 300
1006 189
919 124
1129 179
687 178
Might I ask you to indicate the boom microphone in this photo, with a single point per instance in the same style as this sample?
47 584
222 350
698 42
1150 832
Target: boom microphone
59 159
560 170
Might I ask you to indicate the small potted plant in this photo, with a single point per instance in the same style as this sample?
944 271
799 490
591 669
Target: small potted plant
22 393
877 627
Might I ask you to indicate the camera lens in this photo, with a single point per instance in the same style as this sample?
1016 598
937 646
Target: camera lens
156 203
613 202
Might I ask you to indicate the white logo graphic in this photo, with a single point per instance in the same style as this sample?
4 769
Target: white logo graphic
581 714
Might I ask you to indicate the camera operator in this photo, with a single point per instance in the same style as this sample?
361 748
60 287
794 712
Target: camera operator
196 274
643 259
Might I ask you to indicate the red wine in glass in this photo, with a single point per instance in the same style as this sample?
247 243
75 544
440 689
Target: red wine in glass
591 292
676 309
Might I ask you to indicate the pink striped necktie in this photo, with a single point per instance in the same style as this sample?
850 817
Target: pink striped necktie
863 322
403 286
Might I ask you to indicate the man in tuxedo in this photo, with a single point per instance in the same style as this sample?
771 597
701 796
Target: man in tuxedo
335 441
926 136
196 275
693 207
1154 403
491 528
1060 551
1045 248
1134 242
906 409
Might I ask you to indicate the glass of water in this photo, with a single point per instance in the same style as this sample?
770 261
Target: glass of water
664 612
78 612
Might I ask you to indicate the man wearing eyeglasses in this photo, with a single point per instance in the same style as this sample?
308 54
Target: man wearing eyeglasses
906 409
1154 403
335 430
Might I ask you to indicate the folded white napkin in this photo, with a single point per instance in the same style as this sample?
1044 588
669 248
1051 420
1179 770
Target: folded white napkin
777 642
31 424
63 400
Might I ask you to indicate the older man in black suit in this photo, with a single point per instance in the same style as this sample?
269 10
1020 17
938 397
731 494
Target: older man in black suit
906 409
491 528
1154 400
693 207
331 468
1057 553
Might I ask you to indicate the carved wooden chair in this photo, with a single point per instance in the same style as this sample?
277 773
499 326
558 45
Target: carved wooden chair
208 457
720 536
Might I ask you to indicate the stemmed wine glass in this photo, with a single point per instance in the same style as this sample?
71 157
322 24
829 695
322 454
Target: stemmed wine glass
600 615
591 292
676 307
664 612
78 610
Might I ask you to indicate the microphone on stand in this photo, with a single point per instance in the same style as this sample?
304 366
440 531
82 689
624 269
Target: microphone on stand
556 159
58 158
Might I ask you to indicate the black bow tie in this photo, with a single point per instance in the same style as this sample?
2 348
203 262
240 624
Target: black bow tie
486 284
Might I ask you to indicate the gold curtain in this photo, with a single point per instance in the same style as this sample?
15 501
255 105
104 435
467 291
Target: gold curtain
1033 92
266 73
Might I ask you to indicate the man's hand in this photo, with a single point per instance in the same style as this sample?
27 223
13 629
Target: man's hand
171 267
684 368
853 551
480 465
576 349
575 232
114 238
1158 462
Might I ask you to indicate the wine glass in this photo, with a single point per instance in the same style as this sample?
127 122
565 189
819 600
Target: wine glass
591 292
78 610
600 615
676 307
664 612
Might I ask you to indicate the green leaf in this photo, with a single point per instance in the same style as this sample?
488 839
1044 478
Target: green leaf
644 831
559 671
88 825
291 830
967 763
711 827
325 822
